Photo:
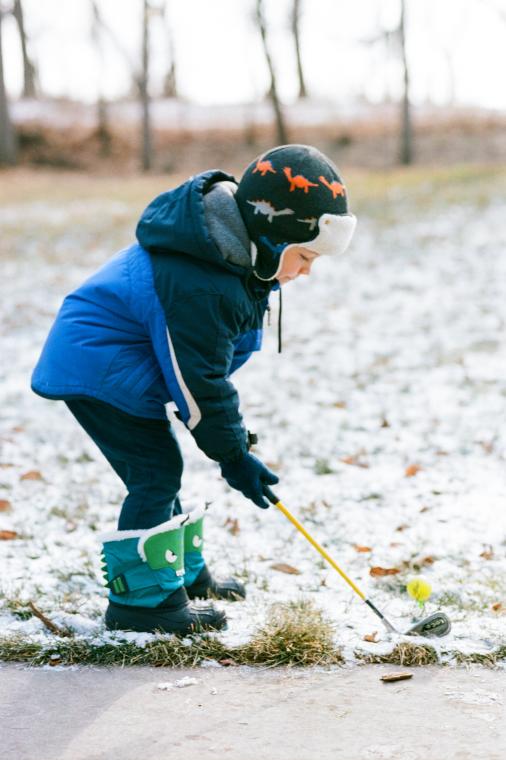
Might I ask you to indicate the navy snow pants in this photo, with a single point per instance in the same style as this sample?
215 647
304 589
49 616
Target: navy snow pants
143 452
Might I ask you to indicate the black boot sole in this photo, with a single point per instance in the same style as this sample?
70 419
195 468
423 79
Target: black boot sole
205 587
179 618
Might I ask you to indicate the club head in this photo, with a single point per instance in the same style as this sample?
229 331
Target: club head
437 624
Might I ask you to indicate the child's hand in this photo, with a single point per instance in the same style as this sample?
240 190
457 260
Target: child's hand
249 476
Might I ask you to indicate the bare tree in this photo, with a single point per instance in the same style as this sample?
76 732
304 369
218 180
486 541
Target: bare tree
29 70
282 134
103 131
295 24
8 143
147 143
170 89
406 146
140 77
395 39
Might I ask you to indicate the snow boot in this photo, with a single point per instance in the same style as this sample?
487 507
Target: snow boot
198 580
144 571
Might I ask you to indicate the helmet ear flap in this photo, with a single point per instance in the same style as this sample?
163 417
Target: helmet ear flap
283 195
334 235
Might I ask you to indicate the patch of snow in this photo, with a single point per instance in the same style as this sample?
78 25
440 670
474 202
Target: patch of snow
182 683
394 353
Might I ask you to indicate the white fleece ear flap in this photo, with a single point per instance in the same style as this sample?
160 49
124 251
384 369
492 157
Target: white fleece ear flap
334 236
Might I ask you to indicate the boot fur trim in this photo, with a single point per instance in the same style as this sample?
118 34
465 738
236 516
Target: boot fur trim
119 535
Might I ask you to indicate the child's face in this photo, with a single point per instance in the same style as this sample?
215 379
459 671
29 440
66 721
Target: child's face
296 261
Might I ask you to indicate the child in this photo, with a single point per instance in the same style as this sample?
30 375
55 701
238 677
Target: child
169 319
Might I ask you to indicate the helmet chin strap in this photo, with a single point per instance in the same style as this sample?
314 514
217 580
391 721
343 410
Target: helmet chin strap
254 254
334 236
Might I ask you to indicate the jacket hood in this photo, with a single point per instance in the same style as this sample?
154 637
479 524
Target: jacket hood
182 220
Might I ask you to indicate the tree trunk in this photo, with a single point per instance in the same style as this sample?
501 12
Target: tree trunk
103 131
170 79
8 146
29 71
147 148
406 147
296 39
282 134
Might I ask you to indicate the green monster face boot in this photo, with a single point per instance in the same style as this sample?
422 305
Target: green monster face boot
198 580
144 570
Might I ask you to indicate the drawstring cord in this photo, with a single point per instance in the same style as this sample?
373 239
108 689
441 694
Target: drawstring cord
268 309
251 279
279 319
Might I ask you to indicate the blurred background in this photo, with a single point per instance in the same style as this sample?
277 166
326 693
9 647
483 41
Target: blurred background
384 415
177 86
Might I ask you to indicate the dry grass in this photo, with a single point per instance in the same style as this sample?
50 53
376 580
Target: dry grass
442 137
403 654
296 633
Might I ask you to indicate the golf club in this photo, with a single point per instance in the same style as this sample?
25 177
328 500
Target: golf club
437 624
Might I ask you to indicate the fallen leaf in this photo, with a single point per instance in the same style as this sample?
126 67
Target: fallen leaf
339 404
385 423
412 470
371 637
359 548
354 460
380 571
32 475
282 567
227 662
424 509
5 465
499 607
428 560
4 505
487 553
395 544
232 525
391 677
7 535
402 527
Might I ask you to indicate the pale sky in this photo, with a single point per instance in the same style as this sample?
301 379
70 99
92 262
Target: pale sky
453 45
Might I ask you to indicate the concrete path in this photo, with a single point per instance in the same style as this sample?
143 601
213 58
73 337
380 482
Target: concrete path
245 714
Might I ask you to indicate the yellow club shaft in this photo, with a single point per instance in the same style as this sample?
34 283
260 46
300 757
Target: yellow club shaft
318 548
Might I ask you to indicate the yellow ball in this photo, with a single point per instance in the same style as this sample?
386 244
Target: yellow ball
418 588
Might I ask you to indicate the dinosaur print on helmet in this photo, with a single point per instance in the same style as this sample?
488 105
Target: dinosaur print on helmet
298 182
266 208
293 195
263 167
336 188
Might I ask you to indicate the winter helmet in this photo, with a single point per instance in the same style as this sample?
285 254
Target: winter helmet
293 195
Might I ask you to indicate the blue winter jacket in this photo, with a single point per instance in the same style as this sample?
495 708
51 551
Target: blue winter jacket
167 319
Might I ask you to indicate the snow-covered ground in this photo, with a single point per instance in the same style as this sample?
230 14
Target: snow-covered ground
393 357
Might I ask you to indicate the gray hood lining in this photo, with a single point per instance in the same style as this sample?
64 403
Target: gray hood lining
225 224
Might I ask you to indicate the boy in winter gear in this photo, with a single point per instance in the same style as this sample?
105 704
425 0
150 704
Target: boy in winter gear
169 319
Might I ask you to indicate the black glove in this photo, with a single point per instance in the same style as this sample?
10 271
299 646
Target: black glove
249 475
